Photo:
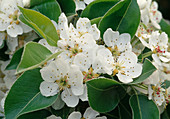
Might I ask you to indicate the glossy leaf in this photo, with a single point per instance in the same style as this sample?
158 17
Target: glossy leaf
165 27
68 7
98 8
102 94
148 69
41 24
16 58
34 55
64 112
123 17
36 2
25 96
143 108
45 8
41 114
124 108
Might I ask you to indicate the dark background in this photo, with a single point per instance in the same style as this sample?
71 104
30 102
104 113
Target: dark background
164 7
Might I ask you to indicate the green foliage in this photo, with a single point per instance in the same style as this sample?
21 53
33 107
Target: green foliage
165 27
123 17
16 58
143 108
103 94
147 70
46 7
41 114
41 24
68 7
34 55
25 96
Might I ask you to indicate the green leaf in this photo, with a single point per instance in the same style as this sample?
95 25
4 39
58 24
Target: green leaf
41 24
98 8
36 2
16 58
123 17
96 20
34 55
102 94
64 112
45 8
67 6
166 113
165 27
148 69
124 108
143 108
25 96
41 114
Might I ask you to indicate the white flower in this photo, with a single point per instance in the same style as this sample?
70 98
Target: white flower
51 48
127 67
9 77
53 117
142 3
117 43
88 114
151 14
2 37
81 4
26 3
158 43
59 76
9 18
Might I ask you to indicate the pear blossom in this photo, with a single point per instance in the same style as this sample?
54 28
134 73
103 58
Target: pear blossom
126 68
158 43
151 14
59 76
81 4
117 43
2 37
88 114
9 18
53 117
142 3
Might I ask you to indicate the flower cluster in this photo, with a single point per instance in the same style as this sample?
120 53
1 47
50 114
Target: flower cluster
71 64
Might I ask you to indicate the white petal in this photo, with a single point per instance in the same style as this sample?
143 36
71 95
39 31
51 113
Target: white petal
84 97
95 32
53 117
124 78
59 104
25 28
69 98
103 117
75 115
110 37
88 1
80 5
12 43
4 22
156 59
82 61
90 113
83 24
48 88
50 73
75 79
123 43
134 71
44 43
2 38
14 30
164 59
128 59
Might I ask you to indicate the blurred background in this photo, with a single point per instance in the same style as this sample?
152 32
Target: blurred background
164 7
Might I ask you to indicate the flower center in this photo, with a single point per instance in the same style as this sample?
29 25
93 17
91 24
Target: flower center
114 51
118 68
89 75
158 50
75 50
63 83
14 17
